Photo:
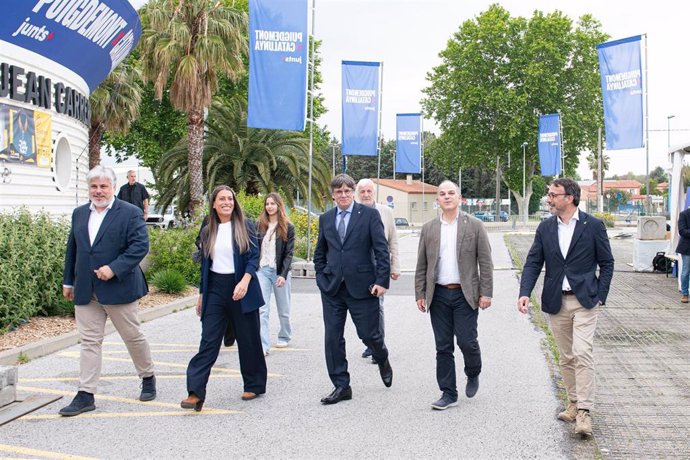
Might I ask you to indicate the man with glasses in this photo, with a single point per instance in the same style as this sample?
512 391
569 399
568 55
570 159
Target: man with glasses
352 267
572 244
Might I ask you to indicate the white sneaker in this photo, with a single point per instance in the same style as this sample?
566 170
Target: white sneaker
281 344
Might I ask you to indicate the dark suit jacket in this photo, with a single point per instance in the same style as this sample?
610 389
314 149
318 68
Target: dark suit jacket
589 248
361 260
244 263
684 232
284 251
121 243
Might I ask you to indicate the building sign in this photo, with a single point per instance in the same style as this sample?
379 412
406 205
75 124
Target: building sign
25 136
89 37
23 86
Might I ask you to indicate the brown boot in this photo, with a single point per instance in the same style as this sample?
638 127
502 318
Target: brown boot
683 299
583 423
570 412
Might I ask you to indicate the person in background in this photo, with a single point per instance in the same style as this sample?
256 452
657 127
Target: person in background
135 193
572 244
228 292
277 244
453 280
683 249
367 196
106 243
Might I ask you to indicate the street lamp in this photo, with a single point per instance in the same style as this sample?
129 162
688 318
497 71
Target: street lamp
524 209
668 128
334 145
668 189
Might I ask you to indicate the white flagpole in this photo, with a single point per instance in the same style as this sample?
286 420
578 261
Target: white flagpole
311 125
378 132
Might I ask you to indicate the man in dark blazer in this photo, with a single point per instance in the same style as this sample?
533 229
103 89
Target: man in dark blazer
102 276
683 249
352 267
572 244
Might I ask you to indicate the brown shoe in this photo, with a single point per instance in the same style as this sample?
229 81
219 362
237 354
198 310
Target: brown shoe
248 396
583 423
683 299
192 402
570 412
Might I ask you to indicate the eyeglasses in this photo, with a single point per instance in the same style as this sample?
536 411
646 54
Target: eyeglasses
554 195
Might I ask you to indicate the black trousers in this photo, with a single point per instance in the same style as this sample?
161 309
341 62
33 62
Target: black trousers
220 309
451 315
365 314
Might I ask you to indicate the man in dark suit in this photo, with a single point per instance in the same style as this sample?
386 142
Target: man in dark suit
102 276
352 270
572 244
683 249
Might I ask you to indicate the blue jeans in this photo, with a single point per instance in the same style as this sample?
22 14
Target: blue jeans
685 274
267 279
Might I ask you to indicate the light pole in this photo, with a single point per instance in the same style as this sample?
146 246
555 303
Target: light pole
524 209
668 128
668 189
334 145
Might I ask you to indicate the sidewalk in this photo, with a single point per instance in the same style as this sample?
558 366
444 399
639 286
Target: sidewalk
512 416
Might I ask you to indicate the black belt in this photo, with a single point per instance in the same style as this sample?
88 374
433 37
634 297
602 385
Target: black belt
449 286
567 293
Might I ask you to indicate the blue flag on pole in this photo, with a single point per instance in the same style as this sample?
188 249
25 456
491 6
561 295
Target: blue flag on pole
360 107
278 58
408 150
549 144
620 65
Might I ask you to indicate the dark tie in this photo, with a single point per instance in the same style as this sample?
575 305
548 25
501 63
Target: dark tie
341 226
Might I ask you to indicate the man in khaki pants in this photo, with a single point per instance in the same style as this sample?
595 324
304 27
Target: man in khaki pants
572 244
107 241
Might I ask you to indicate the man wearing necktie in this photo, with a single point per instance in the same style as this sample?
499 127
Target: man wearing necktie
352 267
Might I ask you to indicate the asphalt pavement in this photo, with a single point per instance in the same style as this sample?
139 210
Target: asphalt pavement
512 416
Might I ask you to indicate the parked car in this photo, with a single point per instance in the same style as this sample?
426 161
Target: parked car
543 215
503 216
401 222
157 219
484 216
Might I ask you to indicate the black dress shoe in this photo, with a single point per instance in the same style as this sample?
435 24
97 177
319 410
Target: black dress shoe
339 394
386 373
82 402
472 386
229 337
148 389
366 353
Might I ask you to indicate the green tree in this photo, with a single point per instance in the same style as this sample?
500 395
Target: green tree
498 73
114 104
189 43
593 164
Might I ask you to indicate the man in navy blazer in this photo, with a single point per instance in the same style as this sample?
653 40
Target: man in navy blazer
683 249
102 276
572 244
352 267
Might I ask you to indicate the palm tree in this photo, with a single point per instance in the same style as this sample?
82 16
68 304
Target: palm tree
593 164
252 160
114 105
189 43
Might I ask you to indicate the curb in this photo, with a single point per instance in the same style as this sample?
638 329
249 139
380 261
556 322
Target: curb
52 344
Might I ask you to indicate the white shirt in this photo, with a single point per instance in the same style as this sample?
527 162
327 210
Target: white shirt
565 237
96 219
447 270
268 247
223 258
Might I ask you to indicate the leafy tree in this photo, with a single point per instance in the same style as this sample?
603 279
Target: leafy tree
659 175
498 73
114 104
190 43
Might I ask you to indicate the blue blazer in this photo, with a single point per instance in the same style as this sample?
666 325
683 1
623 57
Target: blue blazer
589 248
244 263
684 232
361 260
121 243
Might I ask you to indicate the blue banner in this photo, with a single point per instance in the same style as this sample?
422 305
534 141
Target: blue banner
620 65
360 107
549 144
278 59
88 37
408 150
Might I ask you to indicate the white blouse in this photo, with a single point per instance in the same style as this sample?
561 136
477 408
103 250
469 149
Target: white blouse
268 247
223 258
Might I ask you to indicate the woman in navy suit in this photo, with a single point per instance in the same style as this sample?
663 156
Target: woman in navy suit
229 293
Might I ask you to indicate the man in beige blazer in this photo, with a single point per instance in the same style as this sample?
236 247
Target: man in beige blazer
366 195
454 277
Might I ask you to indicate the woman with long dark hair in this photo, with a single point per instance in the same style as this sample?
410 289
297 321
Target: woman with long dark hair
277 244
229 293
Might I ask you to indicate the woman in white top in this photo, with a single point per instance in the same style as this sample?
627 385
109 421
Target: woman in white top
277 243
228 292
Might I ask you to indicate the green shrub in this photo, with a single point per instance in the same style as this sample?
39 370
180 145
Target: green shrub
172 249
32 250
299 220
607 217
169 281
252 205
